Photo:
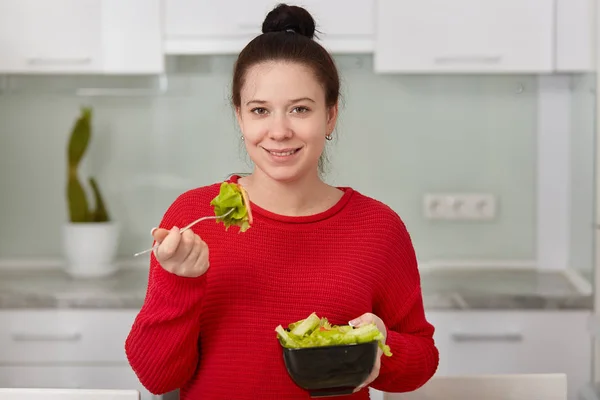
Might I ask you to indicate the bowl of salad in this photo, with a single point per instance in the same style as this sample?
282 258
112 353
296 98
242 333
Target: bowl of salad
329 360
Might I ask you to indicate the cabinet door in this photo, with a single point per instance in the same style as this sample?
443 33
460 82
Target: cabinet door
205 27
464 36
575 35
354 33
119 377
497 342
132 36
209 19
64 336
47 36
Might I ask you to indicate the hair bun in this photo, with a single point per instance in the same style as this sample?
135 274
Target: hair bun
289 18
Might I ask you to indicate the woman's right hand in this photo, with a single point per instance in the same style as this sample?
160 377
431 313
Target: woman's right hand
183 254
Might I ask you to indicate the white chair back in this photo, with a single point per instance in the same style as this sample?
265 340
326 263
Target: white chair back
489 387
67 394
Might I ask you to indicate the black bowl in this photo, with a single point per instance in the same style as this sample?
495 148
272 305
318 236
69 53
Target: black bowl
330 370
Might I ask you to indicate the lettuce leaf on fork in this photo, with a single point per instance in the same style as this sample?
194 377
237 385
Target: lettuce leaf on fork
233 196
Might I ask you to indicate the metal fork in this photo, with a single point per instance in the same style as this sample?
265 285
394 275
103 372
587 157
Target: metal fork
185 229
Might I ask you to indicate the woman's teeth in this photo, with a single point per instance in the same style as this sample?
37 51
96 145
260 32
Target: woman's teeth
282 154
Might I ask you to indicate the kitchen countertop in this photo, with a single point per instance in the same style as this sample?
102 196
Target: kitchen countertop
472 289
590 392
49 288
443 289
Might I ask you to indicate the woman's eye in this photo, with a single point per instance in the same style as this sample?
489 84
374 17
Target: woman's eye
300 110
258 110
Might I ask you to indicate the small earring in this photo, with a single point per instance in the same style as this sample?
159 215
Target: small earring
329 137
242 136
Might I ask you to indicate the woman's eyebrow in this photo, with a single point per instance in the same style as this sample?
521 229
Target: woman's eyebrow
261 102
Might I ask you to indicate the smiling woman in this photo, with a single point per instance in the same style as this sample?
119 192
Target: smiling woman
216 296
284 119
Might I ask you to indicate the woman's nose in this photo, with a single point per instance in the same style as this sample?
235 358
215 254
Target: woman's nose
280 128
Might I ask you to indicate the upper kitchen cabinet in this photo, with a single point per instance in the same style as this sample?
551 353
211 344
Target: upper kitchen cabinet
464 36
575 35
208 27
80 37
132 36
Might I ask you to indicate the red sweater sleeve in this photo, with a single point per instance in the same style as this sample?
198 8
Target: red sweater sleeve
410 336
162 346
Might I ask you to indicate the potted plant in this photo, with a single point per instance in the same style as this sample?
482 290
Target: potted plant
90 238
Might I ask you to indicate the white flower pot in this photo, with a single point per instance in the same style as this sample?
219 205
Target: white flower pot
90 249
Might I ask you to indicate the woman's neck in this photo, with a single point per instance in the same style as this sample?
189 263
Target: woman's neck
306 196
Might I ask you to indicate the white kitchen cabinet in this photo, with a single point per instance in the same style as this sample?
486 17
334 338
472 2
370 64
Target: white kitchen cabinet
208 27
575 30
464 36
57 35
80 37
68 377
496 342
35 337
67 349
132 36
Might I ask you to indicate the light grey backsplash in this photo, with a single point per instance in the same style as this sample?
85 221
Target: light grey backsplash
583 175
399 138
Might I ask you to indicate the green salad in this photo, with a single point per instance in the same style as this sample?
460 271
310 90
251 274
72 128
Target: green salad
232 197
315 332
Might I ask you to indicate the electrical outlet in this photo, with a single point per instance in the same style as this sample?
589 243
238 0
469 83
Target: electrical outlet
460 206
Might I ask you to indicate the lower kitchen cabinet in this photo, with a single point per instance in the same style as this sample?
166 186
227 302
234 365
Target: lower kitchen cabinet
85 348
78 377
67 349
515 342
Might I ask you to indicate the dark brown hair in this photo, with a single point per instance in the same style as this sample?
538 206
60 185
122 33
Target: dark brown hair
288 36
288 33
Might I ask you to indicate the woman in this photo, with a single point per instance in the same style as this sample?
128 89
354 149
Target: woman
215 296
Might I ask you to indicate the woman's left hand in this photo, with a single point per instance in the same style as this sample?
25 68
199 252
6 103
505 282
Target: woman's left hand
364 319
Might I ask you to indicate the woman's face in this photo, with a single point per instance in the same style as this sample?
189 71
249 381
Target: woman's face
284 119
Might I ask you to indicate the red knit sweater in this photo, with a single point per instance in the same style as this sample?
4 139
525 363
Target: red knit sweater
213 336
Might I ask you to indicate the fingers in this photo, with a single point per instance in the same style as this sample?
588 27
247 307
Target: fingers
366 318
185 247
159 234
202 262
169 245
181 253
192 257
369 318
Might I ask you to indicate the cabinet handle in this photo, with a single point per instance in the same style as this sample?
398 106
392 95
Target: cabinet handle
59 61
39 337
487 337
468 59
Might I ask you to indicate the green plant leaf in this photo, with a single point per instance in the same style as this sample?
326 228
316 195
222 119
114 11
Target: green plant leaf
100 214
80 137
78 205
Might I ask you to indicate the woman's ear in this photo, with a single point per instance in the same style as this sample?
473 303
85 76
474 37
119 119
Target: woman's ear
238 117
332 114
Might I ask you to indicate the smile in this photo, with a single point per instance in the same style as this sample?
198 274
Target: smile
283 153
